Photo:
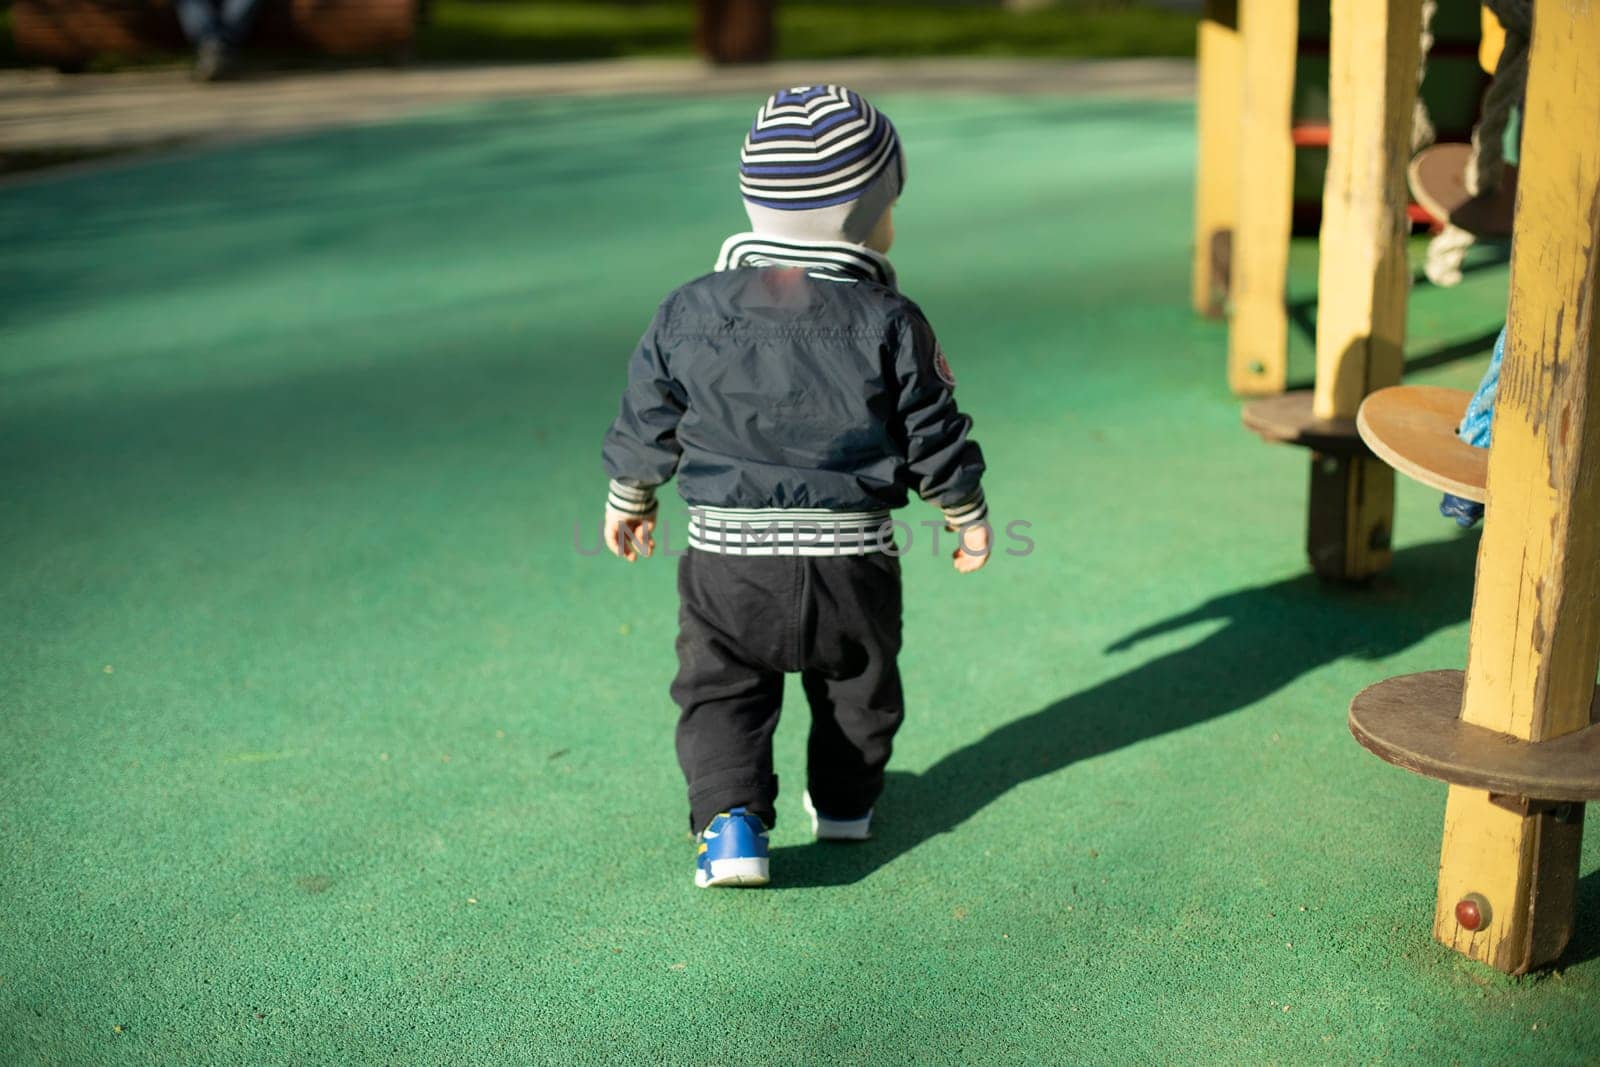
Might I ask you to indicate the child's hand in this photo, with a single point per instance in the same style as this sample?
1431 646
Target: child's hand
974 550
627 534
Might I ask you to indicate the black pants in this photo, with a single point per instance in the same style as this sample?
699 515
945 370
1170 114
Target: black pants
746 621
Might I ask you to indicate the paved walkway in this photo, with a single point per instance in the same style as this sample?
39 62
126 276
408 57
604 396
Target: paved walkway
44 115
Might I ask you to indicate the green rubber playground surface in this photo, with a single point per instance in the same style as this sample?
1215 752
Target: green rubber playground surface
324 743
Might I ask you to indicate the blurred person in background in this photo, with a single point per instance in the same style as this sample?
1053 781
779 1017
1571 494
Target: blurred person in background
217 28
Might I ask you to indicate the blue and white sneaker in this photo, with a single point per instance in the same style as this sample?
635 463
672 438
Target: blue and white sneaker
1465 512
733 851
827 828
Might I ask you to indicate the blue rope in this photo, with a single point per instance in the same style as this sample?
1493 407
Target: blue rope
1476 429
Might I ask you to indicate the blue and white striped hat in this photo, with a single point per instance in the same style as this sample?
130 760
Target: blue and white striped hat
820 163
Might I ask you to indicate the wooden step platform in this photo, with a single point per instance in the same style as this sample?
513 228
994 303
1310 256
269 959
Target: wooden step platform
1413 429
1414 722
1288 420
1438 182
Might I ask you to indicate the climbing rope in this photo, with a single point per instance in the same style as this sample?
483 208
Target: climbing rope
1505 93
1422 132
1447 252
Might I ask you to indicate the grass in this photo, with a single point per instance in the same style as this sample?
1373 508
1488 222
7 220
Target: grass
526 31
475 29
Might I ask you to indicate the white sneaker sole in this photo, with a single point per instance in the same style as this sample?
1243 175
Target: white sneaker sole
733 872
836 829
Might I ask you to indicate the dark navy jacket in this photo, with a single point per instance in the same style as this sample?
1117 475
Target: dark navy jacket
798 377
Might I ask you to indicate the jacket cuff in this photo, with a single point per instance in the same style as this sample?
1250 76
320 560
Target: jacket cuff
631 500
969 512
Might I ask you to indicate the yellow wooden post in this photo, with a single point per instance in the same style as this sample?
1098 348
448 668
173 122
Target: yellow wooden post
1216 194
1258 337
1363 277
1535 638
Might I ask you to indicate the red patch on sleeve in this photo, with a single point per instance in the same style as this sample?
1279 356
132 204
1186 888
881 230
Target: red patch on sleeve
941 366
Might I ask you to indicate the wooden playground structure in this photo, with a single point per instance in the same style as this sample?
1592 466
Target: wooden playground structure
1515 735
1242 231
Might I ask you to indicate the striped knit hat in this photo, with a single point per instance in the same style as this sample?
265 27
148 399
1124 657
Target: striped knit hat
820 163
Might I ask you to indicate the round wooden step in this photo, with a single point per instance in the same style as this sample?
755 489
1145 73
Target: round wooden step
1438 180
1413 429
1288 420
1413 721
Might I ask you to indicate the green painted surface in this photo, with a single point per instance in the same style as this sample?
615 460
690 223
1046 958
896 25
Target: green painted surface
323 745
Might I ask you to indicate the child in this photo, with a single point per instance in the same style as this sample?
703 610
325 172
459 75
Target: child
797 395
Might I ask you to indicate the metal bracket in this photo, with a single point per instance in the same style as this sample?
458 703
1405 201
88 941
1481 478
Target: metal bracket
1564 811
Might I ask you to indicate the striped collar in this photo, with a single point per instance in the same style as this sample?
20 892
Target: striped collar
832 259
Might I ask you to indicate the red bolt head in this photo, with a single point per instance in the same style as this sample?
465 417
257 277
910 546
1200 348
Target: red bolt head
1472 912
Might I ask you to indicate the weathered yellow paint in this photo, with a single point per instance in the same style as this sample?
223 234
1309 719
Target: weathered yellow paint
1363 276
1485 851
1536 627
1216 197
1258 337
1516 862
1535 637
1492 43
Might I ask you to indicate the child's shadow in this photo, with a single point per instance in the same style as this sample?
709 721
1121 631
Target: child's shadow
1274 634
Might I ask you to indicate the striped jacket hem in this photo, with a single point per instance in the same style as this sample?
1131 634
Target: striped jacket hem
790 532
